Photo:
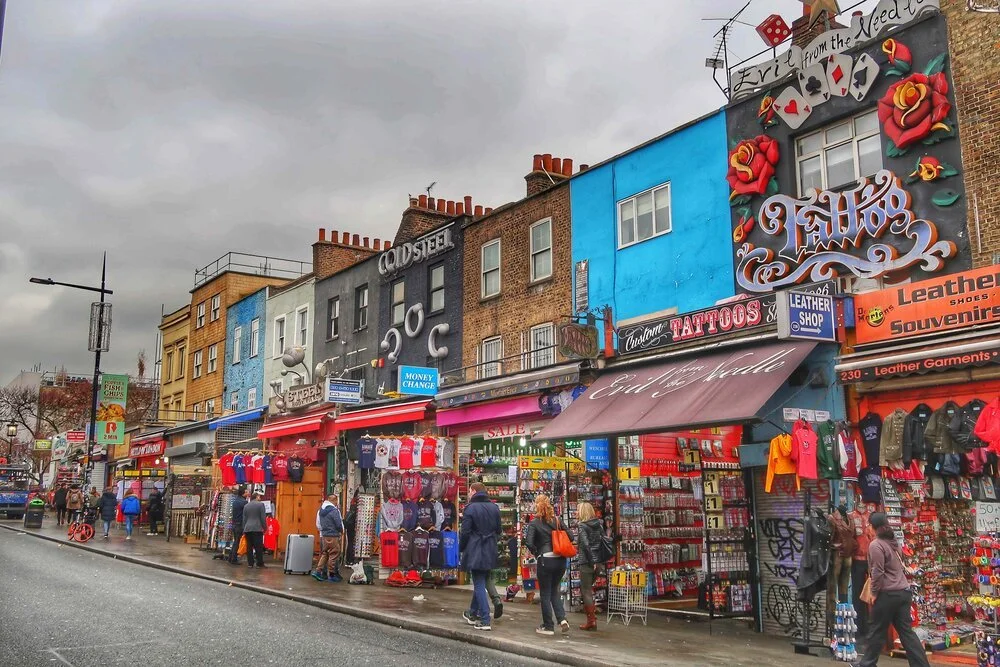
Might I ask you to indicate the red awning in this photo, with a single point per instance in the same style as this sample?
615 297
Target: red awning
710 390
386 414
291 426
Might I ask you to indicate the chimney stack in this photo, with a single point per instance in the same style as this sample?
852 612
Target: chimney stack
547 171
802 34
341 251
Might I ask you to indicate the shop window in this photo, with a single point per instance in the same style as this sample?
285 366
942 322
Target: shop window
644 216
361 307
255 337
542 340
279 336
490 355
168 366
541 250
251 398
302 326
437 288
197 364
398 303
237 344
490 269
213 358
234 401
839 154
199 321
216 306
333 310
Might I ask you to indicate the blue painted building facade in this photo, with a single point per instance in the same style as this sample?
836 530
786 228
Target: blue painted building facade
246 328
654 224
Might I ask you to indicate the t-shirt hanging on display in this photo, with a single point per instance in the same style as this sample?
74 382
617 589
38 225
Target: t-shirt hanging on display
428 454
366 453
279 468
381 454
296 469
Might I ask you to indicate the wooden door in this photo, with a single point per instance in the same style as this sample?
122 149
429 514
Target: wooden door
297 504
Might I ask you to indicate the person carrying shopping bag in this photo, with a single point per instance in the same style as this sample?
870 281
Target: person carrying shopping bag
551 566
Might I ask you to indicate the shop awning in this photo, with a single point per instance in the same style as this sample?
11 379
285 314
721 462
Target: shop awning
954 353
186 450
292 426
710 390
237 418
514 407
383 415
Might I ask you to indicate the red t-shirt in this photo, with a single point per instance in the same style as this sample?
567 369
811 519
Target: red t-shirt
390 548
406 454
450 487
255 471
411 485
805 443
428 453
226 468
279 468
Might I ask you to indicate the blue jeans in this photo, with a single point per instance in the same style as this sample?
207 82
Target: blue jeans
480 598
128 523
107 526
550 574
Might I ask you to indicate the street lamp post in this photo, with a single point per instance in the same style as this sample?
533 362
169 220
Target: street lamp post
11 434
97 358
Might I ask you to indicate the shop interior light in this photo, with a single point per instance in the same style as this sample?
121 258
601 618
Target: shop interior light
157 462
545 445
524 442
166 459
301 442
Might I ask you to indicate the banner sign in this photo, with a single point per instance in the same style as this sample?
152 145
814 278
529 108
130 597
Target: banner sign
418 380
112 399
903 368
749 314
929 306
345 392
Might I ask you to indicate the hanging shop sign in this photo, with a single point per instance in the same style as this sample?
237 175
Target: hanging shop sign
345 392
112 400
404 255
806 316
418 380
506 430
931 364
578 341
303 396
863 28
987 517
929 306
597 453
60 446
154 448
43 445
749 314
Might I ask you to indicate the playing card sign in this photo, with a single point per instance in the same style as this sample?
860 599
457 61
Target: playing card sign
838 74
792 107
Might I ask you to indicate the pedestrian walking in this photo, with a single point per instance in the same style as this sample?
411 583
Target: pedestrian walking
59 500
254 522
551 567
331 535
593 551
478 546
131 508
892 594
108 507
94 498
74 503
154 510
239 503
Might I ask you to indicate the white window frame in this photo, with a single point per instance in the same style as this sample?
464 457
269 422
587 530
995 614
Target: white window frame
854 140
213 358
540 357
168 366
432 290
198 358
210 408
539 251
199 321
333 315
237 344
302 332
196 410
483 271
359 309
216 308
251 398
279 340
635 223
394 304
490 368
254 337
234 401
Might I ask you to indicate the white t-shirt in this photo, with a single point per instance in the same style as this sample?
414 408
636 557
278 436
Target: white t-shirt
382 454
445 453
394 446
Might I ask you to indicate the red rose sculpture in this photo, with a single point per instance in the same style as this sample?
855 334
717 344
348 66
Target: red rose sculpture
914 107
751 166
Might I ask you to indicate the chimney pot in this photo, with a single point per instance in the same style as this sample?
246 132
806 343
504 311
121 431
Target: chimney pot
487 210
442 205
356 240
536 162
377 244
459 208
431 203
346 238
547 161
556 165
468 204
479 209
413 202
364 242
567 166
387 244
322 234
422 201
584 167
450 208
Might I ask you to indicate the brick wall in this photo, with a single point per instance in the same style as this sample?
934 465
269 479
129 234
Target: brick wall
974 45
521 304
341 251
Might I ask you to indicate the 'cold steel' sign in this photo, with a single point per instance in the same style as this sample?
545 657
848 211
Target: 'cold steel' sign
404 255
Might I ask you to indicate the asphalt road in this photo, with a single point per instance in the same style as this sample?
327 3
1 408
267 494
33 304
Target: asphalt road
64 606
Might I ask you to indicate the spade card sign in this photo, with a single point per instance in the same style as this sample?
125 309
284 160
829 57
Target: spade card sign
863 77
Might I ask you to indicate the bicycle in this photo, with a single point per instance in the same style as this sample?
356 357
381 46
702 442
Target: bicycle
81 530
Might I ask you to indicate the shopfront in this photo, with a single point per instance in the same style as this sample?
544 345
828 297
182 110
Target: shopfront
149 470
189 481
924 367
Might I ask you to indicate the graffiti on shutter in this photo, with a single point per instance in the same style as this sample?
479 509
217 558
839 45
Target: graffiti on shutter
779 550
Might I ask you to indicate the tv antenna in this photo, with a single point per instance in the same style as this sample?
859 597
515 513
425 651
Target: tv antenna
720 57
431 186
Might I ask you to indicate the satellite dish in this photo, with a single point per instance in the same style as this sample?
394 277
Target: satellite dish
293 356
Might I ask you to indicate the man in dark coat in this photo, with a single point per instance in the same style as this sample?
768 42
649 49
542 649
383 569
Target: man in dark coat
60 502
108 507
239 503
154 510
478 544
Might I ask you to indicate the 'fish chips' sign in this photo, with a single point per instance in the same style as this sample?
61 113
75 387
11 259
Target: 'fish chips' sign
950 302
111 409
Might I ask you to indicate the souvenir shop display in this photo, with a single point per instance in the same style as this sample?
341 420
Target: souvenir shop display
673 526
538 475
629 501
627 594
589 487
260 467
845 629
728 581
187 499
364 536
494 463
219 530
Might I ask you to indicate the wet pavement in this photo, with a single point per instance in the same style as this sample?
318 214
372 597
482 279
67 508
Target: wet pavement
664 641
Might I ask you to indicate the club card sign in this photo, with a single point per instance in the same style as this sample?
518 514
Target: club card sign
404 255
887 13
928 306
868 231
739 316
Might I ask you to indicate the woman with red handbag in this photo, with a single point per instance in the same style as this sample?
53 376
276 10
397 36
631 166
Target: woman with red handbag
542 535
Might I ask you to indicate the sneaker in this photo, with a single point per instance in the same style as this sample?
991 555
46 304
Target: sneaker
261 566
542 630
469 618
497 609
250 565
485 627
564 624
105 536
128 537
318 576
335 579
150 534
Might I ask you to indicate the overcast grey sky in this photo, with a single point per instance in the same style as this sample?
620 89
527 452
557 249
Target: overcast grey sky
169 132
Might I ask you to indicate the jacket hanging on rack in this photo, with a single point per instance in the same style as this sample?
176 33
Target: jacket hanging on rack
815 557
